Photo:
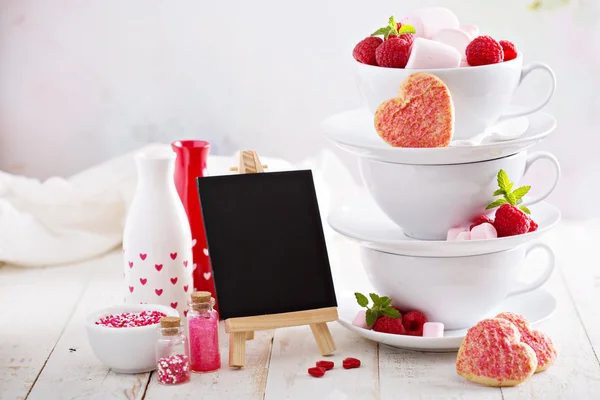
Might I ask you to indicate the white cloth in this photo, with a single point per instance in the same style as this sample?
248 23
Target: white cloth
61 221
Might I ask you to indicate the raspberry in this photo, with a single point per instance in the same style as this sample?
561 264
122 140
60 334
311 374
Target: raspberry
327 365
484 50
510 51
408 37
317 372
385 324
350 362
532 226
364 51
413 323
482 219
511 221
393 53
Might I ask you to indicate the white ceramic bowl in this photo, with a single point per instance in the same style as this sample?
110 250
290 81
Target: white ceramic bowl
428 200
125 350
456 291
480 94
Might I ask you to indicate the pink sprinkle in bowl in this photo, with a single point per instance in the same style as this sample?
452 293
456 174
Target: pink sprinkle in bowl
125 350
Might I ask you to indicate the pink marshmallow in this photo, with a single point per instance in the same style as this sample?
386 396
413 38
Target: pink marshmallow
453 233
433 329
429 20
471 30
466 235
483 231
426 54
361 320
455 38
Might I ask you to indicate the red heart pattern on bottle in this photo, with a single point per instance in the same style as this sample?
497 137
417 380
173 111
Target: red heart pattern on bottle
185 313
185 263
206 275
130 264
173 256
130 289
174 305
174 280
158 266
143 281
158 291
185 288
143 256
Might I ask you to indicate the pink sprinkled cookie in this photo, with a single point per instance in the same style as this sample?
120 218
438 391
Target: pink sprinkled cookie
492 354
421 116
540 342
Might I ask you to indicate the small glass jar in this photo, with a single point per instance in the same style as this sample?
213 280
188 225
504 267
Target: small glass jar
203 332
172 354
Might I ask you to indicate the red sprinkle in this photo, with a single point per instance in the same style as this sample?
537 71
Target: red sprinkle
317 372
131 320
350 362
325 364
174 369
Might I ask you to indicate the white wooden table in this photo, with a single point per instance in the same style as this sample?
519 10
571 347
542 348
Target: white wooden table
44 352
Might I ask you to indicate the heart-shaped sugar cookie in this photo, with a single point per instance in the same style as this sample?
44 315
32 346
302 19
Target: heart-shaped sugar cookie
540 342
492 354
421 116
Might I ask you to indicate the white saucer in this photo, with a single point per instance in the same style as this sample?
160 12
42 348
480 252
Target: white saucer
354 132
536 306
363 221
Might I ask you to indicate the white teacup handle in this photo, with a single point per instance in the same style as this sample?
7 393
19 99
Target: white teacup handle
545 275
533 157
524 72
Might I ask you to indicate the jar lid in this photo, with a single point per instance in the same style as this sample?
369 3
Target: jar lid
170 322
201 297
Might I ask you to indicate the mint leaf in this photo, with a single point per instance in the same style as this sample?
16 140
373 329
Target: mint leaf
361 299
499 192
371 317
391 312
376 299
382 31
406 29
525 210
392 23
510 198
496 203
520 192
386 302
503 181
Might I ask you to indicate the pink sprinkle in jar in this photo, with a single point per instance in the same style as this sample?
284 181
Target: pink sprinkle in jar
203 332
172 354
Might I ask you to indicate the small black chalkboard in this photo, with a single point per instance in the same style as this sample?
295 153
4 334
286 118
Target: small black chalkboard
266 243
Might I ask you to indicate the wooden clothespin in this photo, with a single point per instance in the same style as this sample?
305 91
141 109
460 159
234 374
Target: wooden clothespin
249 163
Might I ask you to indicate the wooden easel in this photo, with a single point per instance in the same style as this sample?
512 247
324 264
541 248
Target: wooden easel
242 328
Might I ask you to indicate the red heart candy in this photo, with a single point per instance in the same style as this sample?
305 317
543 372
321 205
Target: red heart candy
421 116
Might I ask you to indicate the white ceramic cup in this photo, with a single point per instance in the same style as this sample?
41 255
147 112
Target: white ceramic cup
456 291
427 200
481 95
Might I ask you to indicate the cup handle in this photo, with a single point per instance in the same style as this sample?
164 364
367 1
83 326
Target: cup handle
545 275
527 69
533 157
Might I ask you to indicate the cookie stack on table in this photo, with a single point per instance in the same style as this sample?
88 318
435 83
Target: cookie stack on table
445 225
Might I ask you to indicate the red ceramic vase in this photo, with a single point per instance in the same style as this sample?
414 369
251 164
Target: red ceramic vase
192 156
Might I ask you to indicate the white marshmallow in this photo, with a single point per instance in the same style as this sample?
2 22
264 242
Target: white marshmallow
433 329
427 54
471 30
427 21
455 38
466 235
361 320
484 231
453 233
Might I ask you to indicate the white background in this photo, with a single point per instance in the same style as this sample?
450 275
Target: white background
83 81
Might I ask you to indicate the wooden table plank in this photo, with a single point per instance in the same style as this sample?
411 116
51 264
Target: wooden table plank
78 374
576 373
35 305
227 383
295 350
